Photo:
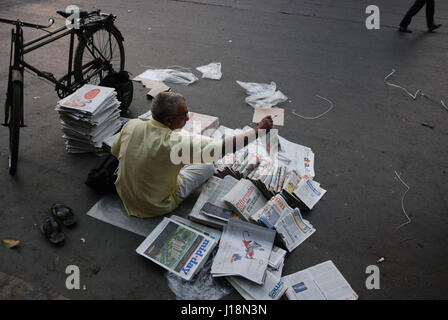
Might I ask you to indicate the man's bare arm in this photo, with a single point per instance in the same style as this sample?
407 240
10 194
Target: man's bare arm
240 141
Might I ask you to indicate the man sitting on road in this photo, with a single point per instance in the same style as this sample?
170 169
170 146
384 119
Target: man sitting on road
151 182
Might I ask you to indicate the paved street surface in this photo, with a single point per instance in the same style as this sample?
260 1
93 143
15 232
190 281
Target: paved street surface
307 47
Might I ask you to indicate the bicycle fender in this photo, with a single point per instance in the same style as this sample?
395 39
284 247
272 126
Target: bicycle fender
118 33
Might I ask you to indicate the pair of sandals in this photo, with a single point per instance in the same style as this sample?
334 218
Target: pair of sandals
51 226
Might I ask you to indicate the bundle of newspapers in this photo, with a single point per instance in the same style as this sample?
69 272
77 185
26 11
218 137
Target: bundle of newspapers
88 116
276 166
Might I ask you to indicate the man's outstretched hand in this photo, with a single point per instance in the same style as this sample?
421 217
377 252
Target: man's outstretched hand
266 123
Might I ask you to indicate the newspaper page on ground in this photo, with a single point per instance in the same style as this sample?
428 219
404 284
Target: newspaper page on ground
215 207
272 289
177 248
245 198
244 251
321 282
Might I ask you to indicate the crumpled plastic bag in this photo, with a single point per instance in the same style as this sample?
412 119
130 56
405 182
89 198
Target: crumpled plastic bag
170 75
211 70
201 287
262 94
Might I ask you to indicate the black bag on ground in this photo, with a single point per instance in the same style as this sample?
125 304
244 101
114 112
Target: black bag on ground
102 177
123 85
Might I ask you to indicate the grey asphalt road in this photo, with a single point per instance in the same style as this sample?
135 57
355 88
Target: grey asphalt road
307 47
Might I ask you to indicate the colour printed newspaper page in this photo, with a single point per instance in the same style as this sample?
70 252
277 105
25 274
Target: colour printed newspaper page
215 207
208 231
293 229
177 248
272 289
88 99
321 282
245 198
244 251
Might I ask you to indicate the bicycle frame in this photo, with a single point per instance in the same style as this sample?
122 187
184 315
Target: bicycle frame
21 48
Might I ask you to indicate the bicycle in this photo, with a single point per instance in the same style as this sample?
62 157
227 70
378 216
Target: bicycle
99 52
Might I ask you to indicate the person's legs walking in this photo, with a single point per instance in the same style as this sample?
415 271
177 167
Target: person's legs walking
430 8
430 13
193 176
416 7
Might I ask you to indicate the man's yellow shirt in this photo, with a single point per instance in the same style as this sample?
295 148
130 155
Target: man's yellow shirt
148 180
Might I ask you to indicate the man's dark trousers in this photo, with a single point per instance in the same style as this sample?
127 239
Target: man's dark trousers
418 5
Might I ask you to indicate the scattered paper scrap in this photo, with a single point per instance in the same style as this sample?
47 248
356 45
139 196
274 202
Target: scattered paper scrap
277 114
10 243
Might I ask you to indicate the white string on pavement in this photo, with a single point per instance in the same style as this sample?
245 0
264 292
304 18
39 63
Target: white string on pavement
402 203
415 95
316 117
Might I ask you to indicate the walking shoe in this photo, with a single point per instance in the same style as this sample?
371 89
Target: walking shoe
404 29
434 27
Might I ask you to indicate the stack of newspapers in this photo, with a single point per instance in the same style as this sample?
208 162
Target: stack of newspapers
288 170
88 116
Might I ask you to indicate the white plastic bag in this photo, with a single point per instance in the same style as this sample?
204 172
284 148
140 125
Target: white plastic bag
201 287
211 70
169 75
262 94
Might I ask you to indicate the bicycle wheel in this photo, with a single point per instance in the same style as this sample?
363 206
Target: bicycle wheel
15 116
98 54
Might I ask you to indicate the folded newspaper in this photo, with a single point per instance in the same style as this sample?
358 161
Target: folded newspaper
309 192
272 289
177 248
321 282
245 198
277 257
244 251
288 222
293 229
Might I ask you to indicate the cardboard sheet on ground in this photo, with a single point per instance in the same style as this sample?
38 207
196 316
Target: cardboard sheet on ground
110 209
277 114
155 86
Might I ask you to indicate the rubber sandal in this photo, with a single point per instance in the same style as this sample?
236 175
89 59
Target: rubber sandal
52 229
64 214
